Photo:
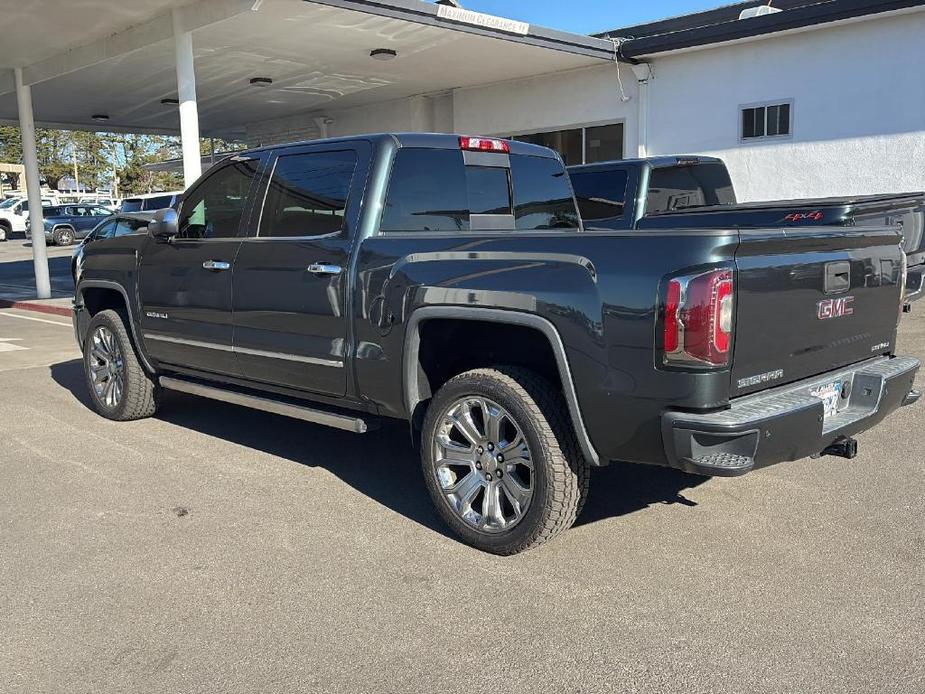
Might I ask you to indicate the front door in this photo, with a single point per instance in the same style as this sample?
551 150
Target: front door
186 283
290 281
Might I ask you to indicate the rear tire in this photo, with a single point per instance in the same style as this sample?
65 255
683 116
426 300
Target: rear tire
529 497
64 237
119 386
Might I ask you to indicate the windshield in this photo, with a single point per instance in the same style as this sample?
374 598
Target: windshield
9 202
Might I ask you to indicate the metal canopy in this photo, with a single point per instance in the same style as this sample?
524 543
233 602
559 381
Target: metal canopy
121 63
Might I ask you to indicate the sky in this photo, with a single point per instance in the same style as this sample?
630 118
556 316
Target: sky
589 16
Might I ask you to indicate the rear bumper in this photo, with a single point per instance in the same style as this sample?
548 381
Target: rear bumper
787 423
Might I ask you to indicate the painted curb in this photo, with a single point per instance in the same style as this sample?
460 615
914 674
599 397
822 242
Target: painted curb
37 307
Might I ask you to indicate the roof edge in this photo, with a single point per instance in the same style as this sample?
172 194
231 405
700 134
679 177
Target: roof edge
825 12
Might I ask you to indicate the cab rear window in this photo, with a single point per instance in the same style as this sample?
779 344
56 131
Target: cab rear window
433 190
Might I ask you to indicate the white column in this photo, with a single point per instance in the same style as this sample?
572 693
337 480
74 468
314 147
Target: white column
33 187
186 93
643 74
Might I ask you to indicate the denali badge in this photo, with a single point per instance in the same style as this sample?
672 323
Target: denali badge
155 314
834 308
761 378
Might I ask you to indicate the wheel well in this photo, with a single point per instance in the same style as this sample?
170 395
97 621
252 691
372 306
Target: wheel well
96 299
450 346
5 223
58 227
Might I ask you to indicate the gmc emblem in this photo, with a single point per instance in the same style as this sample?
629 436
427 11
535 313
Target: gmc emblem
834 308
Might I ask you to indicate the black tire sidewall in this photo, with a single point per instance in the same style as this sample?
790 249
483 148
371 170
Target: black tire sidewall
111 321
484 386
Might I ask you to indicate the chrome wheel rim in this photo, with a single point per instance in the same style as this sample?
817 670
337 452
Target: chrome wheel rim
483 464
107 367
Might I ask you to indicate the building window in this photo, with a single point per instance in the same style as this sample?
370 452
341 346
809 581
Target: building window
762 121
581 145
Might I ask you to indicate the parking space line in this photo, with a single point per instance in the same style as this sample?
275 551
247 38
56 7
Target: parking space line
39 320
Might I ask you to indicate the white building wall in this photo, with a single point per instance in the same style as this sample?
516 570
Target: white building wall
858 108
587 96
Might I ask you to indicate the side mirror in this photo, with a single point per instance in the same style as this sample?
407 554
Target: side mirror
164 226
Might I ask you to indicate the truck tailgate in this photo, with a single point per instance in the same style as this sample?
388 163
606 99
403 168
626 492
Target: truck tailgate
813 300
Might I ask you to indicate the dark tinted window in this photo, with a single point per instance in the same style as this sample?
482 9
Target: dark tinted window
157 203
130 226
427 192
683 187
214 209
568 143
308 194
542 195
131 205
489 190
433 190
603 143
600 194
104 231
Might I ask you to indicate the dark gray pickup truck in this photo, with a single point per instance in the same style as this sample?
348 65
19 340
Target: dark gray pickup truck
449 281
696 192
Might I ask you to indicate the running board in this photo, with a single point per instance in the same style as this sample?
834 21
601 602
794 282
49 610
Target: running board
255 402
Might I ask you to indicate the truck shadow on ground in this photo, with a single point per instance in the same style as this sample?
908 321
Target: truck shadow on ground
382 464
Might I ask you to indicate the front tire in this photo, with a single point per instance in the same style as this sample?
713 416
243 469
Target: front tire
500 459
119 386
4 234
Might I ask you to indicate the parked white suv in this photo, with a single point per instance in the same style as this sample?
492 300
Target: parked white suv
13 215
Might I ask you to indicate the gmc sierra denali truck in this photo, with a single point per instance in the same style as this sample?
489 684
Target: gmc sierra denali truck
448 281
697 192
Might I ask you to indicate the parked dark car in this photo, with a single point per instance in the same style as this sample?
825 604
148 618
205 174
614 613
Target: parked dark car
448 281
113 227
692 191
65 224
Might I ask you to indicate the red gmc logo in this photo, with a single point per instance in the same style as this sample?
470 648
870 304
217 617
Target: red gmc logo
834 308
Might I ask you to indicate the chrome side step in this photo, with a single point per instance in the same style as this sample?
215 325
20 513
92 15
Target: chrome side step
307 414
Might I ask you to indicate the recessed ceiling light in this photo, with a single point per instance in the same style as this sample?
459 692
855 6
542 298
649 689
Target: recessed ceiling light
169 101
382 54
261 81
101 117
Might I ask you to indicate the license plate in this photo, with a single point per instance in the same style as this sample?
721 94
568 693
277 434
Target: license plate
829 394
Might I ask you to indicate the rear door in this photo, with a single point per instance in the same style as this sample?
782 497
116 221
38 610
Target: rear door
185 284
291 280
809 301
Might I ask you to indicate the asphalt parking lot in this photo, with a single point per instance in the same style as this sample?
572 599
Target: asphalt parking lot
17 274
214 548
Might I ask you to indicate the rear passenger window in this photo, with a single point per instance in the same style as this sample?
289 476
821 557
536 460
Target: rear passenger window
214 208
542 194
427 192
601 194
433 190
308 194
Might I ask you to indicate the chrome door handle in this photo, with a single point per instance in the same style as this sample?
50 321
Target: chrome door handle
324 269
216 265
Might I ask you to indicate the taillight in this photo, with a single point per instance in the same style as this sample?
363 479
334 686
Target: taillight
485 144
698 319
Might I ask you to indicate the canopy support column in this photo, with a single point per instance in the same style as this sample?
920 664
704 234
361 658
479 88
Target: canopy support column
33 187
186 93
